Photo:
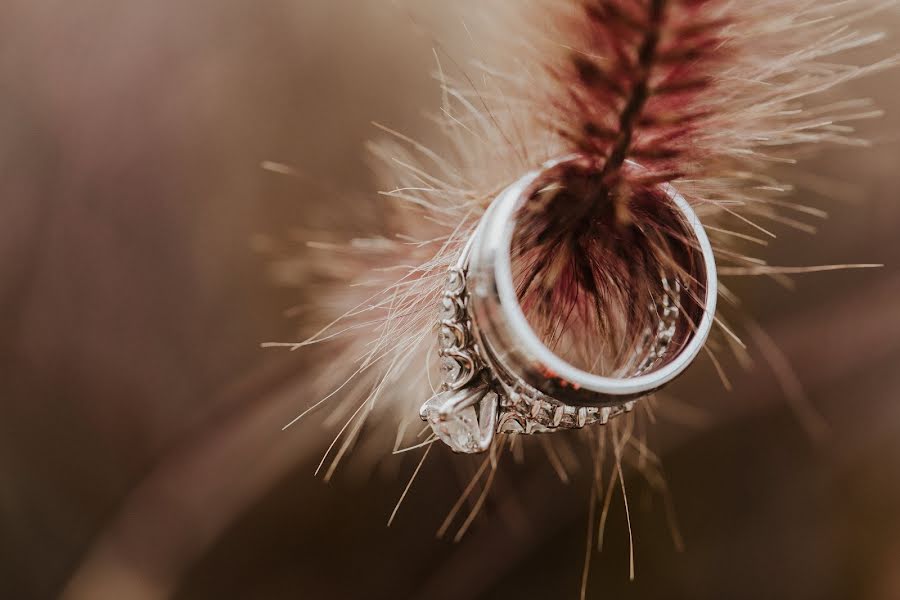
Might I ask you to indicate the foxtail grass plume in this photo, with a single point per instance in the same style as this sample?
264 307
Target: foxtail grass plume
710 96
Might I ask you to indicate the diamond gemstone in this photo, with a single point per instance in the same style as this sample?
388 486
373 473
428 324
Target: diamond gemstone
455 282
451 368
448 308
458 431
461 430
447 338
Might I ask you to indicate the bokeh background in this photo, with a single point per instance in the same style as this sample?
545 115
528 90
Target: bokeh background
141 247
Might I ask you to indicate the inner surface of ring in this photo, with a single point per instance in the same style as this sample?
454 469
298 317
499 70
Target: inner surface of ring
610 275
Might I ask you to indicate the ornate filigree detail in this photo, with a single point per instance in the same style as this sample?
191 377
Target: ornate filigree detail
529 411
474 400
459 361
464 413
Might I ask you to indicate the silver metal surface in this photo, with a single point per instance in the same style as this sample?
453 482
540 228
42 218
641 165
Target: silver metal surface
498 374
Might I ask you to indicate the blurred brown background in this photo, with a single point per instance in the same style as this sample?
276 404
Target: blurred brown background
141 452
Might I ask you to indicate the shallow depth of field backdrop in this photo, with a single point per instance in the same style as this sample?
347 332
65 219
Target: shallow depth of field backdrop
141 452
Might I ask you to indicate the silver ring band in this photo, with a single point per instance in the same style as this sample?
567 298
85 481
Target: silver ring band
499 375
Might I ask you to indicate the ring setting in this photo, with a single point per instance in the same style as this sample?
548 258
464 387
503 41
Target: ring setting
499 377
